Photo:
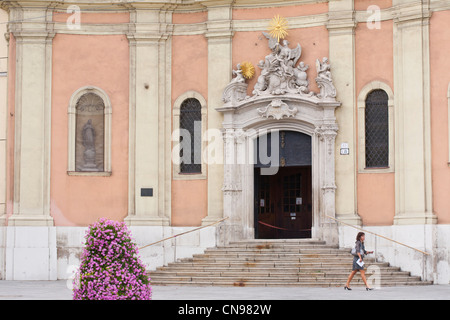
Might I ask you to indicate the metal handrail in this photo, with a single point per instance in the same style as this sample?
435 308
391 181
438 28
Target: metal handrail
378 235
183 233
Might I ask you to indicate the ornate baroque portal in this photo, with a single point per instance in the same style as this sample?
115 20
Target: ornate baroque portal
281 101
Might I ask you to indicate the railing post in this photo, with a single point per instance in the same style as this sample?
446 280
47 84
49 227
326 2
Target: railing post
175 250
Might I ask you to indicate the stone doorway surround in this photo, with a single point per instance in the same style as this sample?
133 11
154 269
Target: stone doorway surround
281 101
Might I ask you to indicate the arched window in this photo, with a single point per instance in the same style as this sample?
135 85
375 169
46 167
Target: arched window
191 136
377 129
89 142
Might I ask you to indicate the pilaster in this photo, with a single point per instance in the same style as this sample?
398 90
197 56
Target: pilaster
412 113
4 49
341 29
33 31
149 145
219 34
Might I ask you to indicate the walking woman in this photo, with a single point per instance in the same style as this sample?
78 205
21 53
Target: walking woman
358 257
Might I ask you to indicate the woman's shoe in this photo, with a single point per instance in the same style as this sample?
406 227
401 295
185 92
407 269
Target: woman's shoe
347 288
368 289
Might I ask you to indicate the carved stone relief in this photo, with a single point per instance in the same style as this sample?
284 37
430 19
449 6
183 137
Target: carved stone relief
281 74
277 109
281 100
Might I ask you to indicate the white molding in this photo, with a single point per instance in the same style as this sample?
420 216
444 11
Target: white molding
403 12
90 174
72 115
243 125
361 102
176 175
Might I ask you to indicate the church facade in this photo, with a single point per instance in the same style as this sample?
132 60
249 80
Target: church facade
289 119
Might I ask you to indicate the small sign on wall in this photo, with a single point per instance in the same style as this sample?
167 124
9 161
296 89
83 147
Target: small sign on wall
345 150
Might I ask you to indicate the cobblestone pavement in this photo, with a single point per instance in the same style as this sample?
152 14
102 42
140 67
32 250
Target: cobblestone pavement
58 290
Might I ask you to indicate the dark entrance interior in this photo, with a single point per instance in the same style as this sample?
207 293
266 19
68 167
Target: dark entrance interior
283 201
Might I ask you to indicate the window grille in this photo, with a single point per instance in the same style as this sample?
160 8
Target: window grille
377 129
190 120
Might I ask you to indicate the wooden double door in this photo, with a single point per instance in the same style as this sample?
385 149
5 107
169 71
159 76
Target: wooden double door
283 203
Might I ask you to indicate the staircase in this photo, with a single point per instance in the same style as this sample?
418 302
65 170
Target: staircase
299 262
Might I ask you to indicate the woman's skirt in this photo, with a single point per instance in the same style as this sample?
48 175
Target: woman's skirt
355 265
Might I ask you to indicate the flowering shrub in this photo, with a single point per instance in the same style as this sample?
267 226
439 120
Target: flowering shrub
110 266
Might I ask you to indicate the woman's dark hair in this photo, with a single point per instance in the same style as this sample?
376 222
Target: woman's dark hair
360 234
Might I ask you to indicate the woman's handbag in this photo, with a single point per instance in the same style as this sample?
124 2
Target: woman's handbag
353 252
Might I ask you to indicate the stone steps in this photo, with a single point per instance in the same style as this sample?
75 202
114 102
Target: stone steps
280 273
355 283
292 279
291 262
276 264
295 250
242 269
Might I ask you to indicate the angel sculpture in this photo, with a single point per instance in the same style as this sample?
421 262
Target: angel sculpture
323 69
261 83
239 76
324 80
290 56
278 69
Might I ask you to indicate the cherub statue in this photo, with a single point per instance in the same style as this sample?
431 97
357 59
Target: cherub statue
239 76
301 78
261 84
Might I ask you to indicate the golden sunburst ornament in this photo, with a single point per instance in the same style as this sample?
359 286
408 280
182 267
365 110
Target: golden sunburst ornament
278 28
248 70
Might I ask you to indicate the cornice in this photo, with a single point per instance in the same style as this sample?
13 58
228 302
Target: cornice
335 21
341 21
411 12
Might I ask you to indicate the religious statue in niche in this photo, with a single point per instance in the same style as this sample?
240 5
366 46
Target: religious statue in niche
89 145
88 133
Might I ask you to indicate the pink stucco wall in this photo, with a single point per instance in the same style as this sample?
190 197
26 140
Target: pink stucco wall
362 5
78 61
374 61
189 198
191 17
284 11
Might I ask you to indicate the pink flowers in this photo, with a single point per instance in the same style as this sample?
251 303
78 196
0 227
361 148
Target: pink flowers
111 268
